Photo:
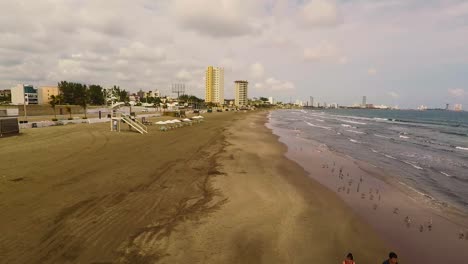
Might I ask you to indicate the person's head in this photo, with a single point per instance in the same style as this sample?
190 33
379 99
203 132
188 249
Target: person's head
392 258
349 256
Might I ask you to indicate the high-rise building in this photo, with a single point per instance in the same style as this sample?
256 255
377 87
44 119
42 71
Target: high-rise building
311 101
446 106
457 107
214 87
364 101
45 92
241 93
23 94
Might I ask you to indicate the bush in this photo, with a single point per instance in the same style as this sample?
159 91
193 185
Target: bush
54 119
70 118
84 117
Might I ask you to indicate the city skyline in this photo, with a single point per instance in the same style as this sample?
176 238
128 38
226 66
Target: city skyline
406 53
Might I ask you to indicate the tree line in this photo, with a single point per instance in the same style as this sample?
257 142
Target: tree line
72 93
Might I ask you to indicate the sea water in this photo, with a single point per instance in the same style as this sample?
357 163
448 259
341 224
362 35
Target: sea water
426 150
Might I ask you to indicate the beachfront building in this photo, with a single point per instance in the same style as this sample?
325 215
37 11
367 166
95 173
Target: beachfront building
45 92
214 86
23 94
241 93
458 107
271 100
364 102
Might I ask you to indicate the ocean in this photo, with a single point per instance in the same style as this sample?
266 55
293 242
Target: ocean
426 150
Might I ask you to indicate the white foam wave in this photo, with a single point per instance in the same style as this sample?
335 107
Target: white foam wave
375 151
377 135
405 137
320 120
356 132
390 157
462 148
446 174
421 193
312 125
354 141
352 122
345 125
412 164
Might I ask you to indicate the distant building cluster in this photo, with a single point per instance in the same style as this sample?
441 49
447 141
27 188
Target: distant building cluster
214 89
27 94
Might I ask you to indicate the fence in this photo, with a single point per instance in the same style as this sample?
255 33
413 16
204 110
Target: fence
8 126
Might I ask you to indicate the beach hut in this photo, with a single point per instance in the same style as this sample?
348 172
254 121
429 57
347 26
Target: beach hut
187 121
162 125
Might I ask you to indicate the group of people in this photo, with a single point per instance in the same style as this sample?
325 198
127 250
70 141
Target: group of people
392 259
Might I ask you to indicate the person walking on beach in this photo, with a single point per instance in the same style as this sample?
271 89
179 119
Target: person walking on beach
392 258
349 259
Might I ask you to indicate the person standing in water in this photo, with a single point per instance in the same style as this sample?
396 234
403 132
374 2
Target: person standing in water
349 259
392 258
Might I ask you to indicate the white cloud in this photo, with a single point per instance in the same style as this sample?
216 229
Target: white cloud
372 71
183 75
393 94
140 51
320 13
457 92
324 50
275 85
226 18
343 60
257 71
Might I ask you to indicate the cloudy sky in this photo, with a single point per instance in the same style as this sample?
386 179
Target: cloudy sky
397 52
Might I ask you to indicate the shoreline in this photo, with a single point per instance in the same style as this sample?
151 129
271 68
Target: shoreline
409 241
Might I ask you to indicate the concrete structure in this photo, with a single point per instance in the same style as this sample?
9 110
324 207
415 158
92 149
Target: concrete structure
45 92
241 93
214 86
271 100
23 94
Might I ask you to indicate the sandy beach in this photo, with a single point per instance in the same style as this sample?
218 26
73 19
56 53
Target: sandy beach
217 192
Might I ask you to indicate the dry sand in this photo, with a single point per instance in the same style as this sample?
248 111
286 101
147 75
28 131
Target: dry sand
217 192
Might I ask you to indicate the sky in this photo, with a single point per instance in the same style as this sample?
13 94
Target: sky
396 52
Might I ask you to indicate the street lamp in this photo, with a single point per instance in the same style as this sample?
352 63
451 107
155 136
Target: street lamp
24 104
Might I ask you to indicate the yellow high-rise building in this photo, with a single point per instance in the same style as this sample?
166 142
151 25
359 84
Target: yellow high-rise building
214 86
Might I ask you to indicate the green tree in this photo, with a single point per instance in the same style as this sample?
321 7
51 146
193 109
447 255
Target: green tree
82 96
96 95
120 94
54 101
264 99
67 91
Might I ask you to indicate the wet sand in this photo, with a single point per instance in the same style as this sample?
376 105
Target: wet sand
216 192
409 222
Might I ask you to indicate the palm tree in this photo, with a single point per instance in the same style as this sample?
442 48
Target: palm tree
54 101
68 108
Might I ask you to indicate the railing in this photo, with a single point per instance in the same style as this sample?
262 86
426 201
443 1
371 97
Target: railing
135 124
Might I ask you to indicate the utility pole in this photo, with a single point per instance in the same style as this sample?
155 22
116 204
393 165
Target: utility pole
24 104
